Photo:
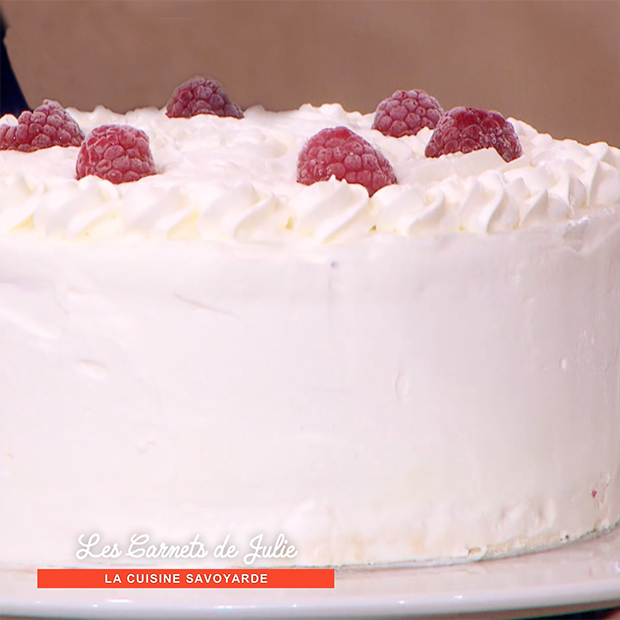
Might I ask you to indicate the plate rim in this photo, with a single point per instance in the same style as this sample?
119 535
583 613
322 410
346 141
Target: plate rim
584 587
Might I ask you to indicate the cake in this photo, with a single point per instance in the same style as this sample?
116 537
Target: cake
427 374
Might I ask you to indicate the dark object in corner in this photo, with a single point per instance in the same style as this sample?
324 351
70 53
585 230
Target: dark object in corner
12 100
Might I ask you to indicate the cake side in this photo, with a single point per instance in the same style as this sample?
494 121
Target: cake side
388 400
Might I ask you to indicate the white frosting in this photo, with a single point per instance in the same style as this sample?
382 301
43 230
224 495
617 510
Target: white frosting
203 161
216 350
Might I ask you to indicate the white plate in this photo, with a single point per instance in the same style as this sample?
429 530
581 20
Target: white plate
576 576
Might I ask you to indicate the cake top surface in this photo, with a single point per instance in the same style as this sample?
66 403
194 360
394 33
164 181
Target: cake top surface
235 179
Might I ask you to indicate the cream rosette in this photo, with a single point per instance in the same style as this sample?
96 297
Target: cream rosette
241 213
331 211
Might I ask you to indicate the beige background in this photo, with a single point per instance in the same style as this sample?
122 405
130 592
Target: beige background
555 64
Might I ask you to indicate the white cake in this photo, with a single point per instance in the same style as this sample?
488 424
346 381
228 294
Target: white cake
432 374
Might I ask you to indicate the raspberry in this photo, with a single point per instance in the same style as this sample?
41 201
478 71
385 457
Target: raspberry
406 112
337 151
117 153
49 125
201 95
462 130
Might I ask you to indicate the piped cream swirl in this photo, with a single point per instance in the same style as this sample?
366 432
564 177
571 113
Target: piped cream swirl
331 209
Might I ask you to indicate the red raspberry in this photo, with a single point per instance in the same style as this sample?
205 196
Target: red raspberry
337 151
462 130
406 112
201 95
117 153
49 125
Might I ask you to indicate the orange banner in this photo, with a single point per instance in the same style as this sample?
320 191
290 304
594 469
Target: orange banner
185 578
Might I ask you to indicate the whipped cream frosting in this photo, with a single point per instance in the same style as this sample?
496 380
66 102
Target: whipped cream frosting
223 178
321 365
